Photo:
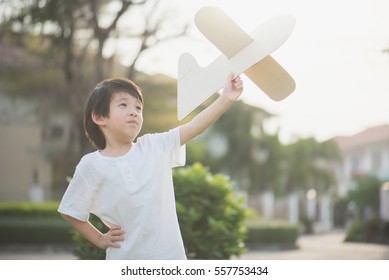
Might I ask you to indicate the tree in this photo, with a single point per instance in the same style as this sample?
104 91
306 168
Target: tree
241 127
155 19
258 161
60 23
311 164
271 164
78 32
366 193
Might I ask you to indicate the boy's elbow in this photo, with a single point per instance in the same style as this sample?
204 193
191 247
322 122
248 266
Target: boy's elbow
67 218
64 216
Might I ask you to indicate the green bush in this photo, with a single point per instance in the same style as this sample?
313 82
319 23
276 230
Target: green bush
357 232
265 232
34 231
367 192
29 209
32 223
210 214
83 248
40 223
371 231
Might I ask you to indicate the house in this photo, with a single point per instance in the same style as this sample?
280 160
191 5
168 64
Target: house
364 153
27 148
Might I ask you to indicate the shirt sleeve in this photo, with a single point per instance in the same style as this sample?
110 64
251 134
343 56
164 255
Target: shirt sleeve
179 151
170 143
78 198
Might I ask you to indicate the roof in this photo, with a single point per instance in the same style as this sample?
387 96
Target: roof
368 136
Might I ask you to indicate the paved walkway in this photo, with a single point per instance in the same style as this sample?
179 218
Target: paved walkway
328 246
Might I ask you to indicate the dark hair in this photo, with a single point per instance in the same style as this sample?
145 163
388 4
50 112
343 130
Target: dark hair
98 103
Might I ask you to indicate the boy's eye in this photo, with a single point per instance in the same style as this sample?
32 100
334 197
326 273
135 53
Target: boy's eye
139 108
122 105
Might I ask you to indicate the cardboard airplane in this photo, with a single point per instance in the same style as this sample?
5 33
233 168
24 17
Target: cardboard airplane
242 53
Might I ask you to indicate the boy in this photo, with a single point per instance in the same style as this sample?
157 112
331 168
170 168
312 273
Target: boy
129 185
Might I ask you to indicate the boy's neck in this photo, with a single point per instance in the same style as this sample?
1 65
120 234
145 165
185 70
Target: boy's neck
116 150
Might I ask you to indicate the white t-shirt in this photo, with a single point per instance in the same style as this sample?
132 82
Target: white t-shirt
134 191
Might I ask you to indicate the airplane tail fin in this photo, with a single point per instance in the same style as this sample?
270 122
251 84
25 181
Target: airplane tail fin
186 101
194 84
186 64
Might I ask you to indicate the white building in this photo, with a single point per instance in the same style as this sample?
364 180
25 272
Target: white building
366 152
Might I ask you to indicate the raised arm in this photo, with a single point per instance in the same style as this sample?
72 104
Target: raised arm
232 90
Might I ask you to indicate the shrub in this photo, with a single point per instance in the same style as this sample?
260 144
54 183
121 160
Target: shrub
83 248
40 223
34 231
372 231
357 232
367 192
264 232
210 214
29 209
32 223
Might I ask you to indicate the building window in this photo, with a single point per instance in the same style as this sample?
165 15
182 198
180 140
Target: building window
356 170
355 164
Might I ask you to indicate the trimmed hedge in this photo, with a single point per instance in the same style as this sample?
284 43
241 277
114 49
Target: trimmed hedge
264 232
40 223
32 223
29 210
369 231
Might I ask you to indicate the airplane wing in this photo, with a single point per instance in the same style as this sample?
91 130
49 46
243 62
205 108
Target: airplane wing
221 31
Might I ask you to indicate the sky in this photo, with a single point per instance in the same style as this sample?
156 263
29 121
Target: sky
335 55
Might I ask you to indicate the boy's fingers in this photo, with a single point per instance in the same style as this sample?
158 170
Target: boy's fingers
115 227
115 230
114 239
118 236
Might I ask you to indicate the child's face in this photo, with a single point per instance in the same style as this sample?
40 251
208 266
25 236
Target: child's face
125 117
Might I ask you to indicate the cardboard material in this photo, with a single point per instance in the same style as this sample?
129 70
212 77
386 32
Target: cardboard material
242 53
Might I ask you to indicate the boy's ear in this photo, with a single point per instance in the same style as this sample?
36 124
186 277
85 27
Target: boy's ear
97 119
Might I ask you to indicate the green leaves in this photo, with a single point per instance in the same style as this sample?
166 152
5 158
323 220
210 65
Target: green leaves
366 193
211 215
